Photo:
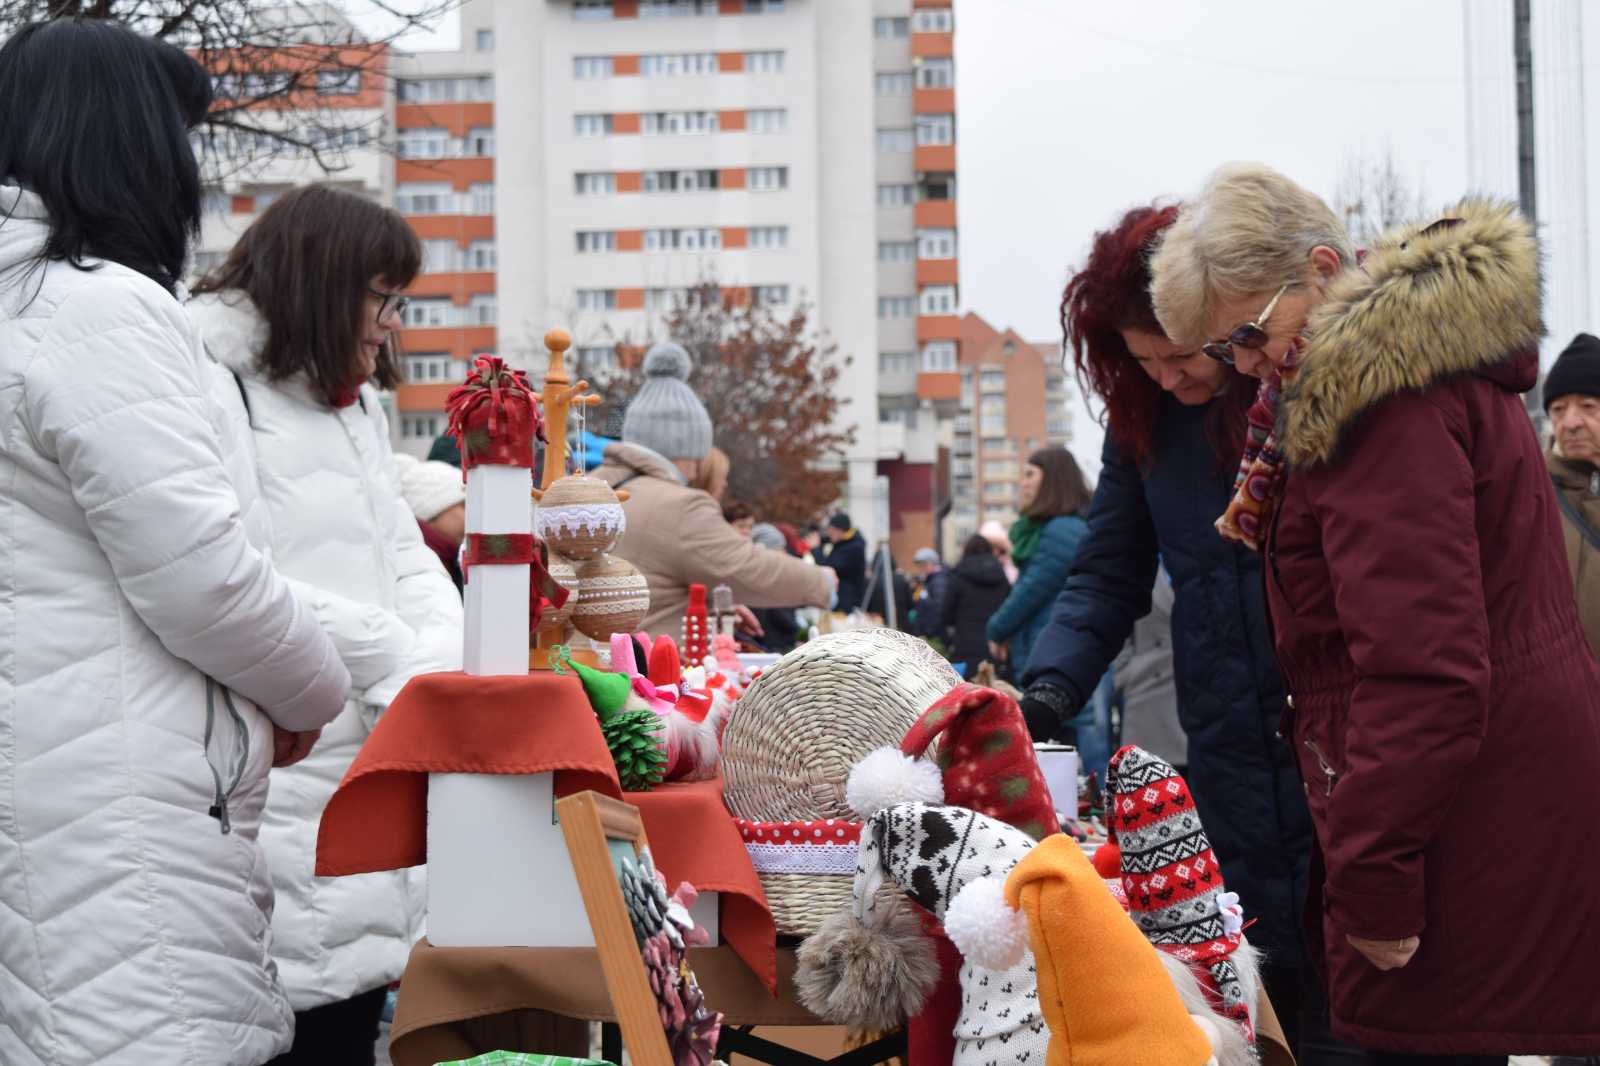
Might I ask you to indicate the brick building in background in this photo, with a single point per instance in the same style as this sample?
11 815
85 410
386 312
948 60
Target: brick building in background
585 163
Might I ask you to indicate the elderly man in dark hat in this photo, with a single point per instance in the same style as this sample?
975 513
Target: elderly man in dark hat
1572 400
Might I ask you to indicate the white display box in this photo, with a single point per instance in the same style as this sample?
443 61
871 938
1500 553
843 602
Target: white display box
498 872
499 500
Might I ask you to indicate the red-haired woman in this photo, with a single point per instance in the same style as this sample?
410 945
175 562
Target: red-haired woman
1176 424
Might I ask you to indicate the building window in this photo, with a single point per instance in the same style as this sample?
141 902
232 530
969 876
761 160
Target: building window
762 7
604 240
484 40
480 256
769 237
587 67
897 83
426 143
993 381
933 20
766 120
591 125
768 179
655 9
992 405
936 73
897 306
482 309
338 82
596 184
1054 382
894 139
424 198
896 251
481 198
439 256
763 62
894 196
769 295
891 27
936 187
674 64
421 427
591 10
1058 426
938 300
480 142
597 299
433 367
939 357
936 129
686 239
897 362
597 359
936 244
429 314
679 180
445 90
676 122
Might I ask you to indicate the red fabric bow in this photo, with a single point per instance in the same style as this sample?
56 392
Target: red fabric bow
493 416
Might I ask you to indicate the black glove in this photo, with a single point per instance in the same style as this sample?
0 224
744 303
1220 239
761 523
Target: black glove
1046 708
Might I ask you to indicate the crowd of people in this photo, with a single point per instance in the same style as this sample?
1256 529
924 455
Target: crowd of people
1328 566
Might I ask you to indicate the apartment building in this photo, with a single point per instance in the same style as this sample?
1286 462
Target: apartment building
787 150
1014 398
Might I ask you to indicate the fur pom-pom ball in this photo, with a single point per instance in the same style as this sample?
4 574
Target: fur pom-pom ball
987 932
867 978
1107 861
887 777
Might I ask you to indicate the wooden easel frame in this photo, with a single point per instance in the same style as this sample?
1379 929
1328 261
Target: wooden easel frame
588 821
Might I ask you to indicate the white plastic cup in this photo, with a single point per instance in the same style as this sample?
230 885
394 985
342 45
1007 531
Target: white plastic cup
1059 763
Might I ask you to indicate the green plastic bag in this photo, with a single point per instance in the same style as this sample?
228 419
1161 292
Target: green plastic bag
523 1058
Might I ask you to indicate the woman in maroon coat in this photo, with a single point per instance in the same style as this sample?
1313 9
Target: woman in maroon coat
1445 710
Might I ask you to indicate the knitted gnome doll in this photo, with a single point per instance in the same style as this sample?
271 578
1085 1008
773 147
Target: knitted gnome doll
933 854
1173 881
985 762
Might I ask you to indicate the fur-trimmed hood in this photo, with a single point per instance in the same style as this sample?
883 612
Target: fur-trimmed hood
1459 296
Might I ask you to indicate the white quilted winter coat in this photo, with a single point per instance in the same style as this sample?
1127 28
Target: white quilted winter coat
143 633
343 532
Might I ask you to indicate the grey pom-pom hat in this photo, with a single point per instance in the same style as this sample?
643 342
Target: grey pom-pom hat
666 416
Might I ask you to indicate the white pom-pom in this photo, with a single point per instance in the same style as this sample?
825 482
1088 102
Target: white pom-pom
986 931
889 776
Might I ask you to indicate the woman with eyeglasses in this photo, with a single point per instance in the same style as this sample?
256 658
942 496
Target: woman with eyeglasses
302 313
1445 708
1176 423
153 664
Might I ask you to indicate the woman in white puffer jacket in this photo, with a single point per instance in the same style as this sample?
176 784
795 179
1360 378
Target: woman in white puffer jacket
152 662
301 313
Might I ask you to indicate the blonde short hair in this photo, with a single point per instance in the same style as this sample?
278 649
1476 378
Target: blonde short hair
1249 231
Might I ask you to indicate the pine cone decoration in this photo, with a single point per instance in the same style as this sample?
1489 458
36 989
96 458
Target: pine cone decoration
646 898
634 739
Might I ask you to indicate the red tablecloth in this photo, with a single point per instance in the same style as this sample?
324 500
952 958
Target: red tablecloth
453 723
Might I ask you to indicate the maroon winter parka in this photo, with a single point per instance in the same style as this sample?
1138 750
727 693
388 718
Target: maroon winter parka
1445 707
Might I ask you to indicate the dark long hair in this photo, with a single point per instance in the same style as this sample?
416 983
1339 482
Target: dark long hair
1112 293
1062 490
97 124
306 264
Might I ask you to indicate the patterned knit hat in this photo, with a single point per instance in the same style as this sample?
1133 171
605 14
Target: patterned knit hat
1172 878
985 757
945 859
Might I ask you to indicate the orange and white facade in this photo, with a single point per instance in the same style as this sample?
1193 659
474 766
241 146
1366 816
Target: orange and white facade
586 163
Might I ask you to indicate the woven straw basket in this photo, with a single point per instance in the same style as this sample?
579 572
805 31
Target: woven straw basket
803 725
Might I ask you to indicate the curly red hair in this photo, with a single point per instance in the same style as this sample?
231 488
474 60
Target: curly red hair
1110 294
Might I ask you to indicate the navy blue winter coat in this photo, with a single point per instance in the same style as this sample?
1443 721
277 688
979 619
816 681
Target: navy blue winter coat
1040 579
1230 696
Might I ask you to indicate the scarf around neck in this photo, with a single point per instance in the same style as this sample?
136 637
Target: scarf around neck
1259 484
1024 534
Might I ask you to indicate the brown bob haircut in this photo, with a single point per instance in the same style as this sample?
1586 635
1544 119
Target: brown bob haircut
1063 489
306 264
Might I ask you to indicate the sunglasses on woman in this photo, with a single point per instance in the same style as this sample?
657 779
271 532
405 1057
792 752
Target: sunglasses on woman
1251 335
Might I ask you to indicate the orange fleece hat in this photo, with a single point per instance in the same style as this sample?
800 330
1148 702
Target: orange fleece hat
1102 989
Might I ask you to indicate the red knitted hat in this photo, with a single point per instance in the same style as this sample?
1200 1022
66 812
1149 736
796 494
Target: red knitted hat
986 758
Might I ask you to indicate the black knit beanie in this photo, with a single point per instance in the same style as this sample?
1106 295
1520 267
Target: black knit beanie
1576 370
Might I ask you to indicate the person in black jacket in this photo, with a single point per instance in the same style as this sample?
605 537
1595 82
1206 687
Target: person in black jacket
1176 423
978 586
928 594
846 555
